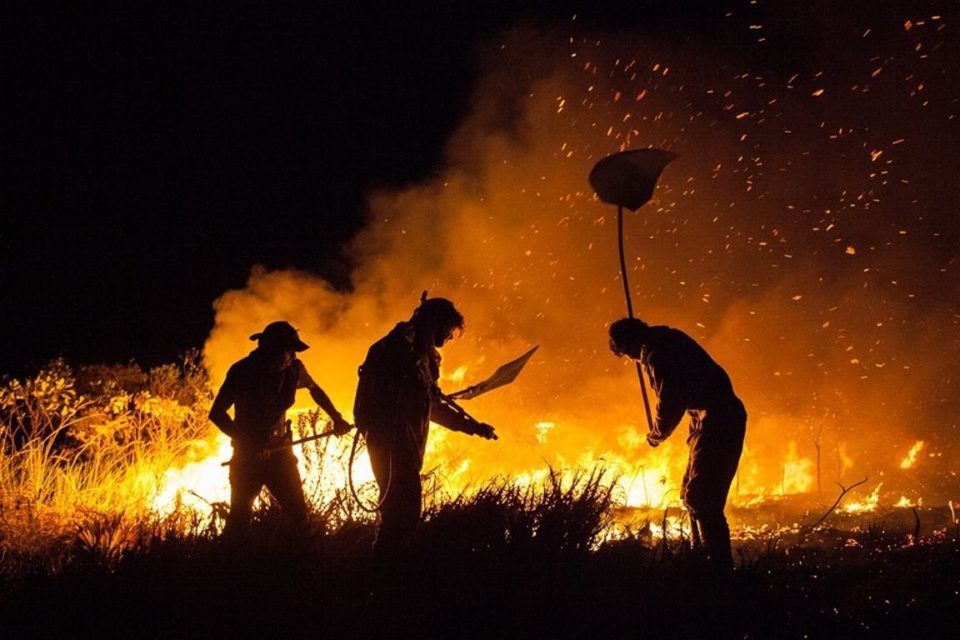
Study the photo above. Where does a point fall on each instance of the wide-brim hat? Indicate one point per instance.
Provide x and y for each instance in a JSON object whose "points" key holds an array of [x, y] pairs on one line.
{"points": [[280, 335]]}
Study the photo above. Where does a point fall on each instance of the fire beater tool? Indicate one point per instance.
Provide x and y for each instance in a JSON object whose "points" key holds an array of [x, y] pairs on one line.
{"points": [[627, 179], [283, 445], [504, 375]]}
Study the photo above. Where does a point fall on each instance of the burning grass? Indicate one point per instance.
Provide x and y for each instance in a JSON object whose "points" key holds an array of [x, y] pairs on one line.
{"points": [[82, 446], [502, 562], [103, 461], [108, 519]]}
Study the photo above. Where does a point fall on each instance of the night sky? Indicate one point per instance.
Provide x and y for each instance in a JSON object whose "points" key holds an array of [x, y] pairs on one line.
{"points": [[161, 152]]}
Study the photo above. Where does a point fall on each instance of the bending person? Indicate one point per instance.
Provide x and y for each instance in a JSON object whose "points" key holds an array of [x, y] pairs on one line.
{"points": [[687, 380]]}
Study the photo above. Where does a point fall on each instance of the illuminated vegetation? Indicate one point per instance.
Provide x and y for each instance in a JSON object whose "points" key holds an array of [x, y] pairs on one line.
{"points": [[91, 531]]}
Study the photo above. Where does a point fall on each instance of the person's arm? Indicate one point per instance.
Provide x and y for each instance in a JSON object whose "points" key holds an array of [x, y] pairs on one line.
{"points": [[218, 411], [340, 425], [671, 401], [451, 416]]}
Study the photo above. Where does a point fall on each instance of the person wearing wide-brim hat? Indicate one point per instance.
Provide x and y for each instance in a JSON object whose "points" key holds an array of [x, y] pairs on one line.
{"points": [[261, 387]]}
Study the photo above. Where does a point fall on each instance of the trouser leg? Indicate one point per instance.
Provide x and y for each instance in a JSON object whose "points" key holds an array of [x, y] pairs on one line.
{"points": [[284, 482], [245, 483], [401, 509], [716, 538], [714, 456], [400, 496], [694, 523]]}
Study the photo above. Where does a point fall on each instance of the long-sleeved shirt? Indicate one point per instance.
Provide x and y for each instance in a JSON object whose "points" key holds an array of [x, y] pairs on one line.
{"points": [[398, 396], [684, 377]]}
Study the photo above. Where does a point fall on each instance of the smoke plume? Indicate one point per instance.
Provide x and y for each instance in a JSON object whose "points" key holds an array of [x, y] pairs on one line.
{"points": [[803, 237]]}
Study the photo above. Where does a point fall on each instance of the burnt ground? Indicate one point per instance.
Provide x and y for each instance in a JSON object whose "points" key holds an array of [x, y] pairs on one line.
{"points": [[463, 582]]}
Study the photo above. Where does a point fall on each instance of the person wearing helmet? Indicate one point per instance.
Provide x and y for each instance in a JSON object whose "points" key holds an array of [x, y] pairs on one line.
{"points": [[687, 380], [261, 387], [397, 398]]}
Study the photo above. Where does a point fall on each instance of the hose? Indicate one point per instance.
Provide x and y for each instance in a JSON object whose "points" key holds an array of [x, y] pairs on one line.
{"points": [[353, 490]]}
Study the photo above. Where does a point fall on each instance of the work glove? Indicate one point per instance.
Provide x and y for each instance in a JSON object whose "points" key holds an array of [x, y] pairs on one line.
{"points": [[485, 431], [341, 426], [653, 441]]}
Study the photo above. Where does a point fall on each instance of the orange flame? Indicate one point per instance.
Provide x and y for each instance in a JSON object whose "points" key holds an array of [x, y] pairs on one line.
{"points": [[911, 459], [867, 505], [511, 231]]}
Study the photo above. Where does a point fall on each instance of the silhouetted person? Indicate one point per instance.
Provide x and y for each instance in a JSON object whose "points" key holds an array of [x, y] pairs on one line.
{"points": [[261, 388], [397, 397], [687, 380]]}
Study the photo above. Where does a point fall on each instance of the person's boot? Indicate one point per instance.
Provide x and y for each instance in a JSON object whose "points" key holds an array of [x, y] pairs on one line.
{"points": [[716, 542]]}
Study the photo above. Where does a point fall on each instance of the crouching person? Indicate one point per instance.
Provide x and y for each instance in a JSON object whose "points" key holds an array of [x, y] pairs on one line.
{"points": [[397, 398], [261, 387]]}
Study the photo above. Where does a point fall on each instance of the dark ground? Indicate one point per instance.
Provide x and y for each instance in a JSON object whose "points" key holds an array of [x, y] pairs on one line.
{"points": [[452, 588]]}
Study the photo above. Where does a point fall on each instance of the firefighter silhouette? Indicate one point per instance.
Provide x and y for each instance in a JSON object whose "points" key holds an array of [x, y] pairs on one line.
{"points": [[397, 398], [688, 381], [261, 387]]}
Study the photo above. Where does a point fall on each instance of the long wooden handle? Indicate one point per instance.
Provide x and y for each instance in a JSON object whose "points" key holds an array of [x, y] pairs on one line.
{"points": [[626, 294], [284, 445]]}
